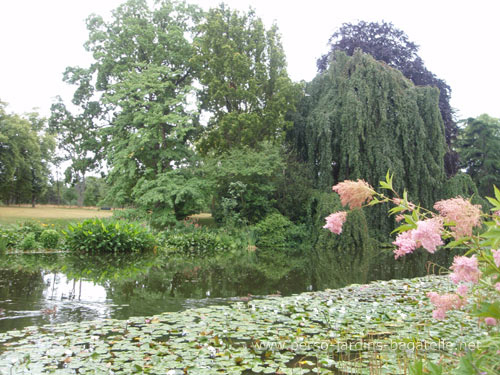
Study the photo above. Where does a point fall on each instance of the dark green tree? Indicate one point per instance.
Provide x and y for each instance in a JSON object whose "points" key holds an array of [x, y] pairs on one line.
{"points": [[363, 118], [479, 150], [246, 88], [245, 183], [387, 43]]}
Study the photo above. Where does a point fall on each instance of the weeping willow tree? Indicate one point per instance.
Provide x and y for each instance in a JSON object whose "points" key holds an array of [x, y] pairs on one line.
{"points": [[362, 118]]}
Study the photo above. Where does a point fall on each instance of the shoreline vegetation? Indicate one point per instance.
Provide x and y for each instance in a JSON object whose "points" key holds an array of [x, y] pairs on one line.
{"points": [[381, 327]]}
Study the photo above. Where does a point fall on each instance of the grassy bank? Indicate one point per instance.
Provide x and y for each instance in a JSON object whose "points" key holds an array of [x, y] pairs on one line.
{"points": [[48, 214]]}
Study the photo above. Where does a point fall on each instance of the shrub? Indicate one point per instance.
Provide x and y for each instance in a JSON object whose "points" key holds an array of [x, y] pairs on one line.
{"points": [[199, 243], [277, 232], [31, 227], [3, 243], [29, 242], [107, 236], [9, 237], [49, 238]]}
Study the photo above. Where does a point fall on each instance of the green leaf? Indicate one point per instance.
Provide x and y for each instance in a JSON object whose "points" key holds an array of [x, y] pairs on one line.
{"points": [[456, 243], [488, 310]]}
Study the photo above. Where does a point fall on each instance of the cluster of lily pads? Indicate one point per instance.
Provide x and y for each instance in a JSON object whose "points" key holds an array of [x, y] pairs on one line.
{"points": [[359, 329]]}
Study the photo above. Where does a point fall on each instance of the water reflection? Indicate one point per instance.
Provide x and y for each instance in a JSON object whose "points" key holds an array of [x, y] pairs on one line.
{"points": [[37, 289]]}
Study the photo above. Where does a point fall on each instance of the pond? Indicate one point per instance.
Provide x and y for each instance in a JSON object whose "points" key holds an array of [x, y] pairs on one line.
{"points": [[38, 289]]}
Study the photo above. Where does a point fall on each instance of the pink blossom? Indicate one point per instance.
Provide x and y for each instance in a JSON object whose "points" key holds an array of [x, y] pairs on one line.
{"points": [[335, 221], [439, 314], [462, 290], [496, 257], [465, 269], [354, 193], [428, 234], [405, 243], [461, 213], [399, 218], [445, 302], [490, 321], [497, 286]]}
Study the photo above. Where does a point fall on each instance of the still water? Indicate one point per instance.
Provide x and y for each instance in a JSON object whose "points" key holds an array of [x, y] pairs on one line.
{"points": [[38, 289]]}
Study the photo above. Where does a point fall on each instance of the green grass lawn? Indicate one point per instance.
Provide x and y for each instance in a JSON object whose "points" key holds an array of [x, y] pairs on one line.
{"points": [[48, 214]]}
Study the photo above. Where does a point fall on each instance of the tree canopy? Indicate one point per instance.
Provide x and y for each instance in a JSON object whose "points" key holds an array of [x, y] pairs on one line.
{"points": [[246, 88], [387, 43], [26, 149], [363, 118], [479, 150], [142, 77]]}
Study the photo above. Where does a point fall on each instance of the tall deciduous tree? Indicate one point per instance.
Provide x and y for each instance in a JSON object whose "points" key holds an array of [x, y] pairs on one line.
{"points": [[386, 43], [78, 136], [479, 150], [143, 75], [363, 118], [246, 88], [26, 149]]}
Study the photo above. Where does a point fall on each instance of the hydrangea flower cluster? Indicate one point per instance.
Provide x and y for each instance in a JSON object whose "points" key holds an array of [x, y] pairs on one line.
{"points": [[335, 221], [354, 193], [445, 302], [465, 269], [427, 235], [459, 215]]}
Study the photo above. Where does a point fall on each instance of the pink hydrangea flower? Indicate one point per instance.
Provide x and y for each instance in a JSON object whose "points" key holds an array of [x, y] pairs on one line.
{"points": [[465, 269], [462, 213], [428, 234], [439, 314], [445, 302], [496, 257], [490, 321], [335, 221], [497, 286], [354, 193], [399, 218], [462, 290], [405, 243]]}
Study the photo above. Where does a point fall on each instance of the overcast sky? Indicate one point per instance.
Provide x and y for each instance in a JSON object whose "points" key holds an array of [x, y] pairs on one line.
{"points": [[459, 42]]}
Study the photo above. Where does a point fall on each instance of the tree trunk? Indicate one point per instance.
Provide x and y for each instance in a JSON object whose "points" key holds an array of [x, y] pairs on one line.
{"points": [[80, 188]]}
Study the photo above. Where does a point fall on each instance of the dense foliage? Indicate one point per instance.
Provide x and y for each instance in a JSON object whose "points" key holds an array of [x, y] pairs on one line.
{"points": [[95, 236], [246, 89], [479, 150], [200, 243], [26, 149], [49, 238], [143, 77], [276, 233], [363, 118], [387, 43], [245, 183]]}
